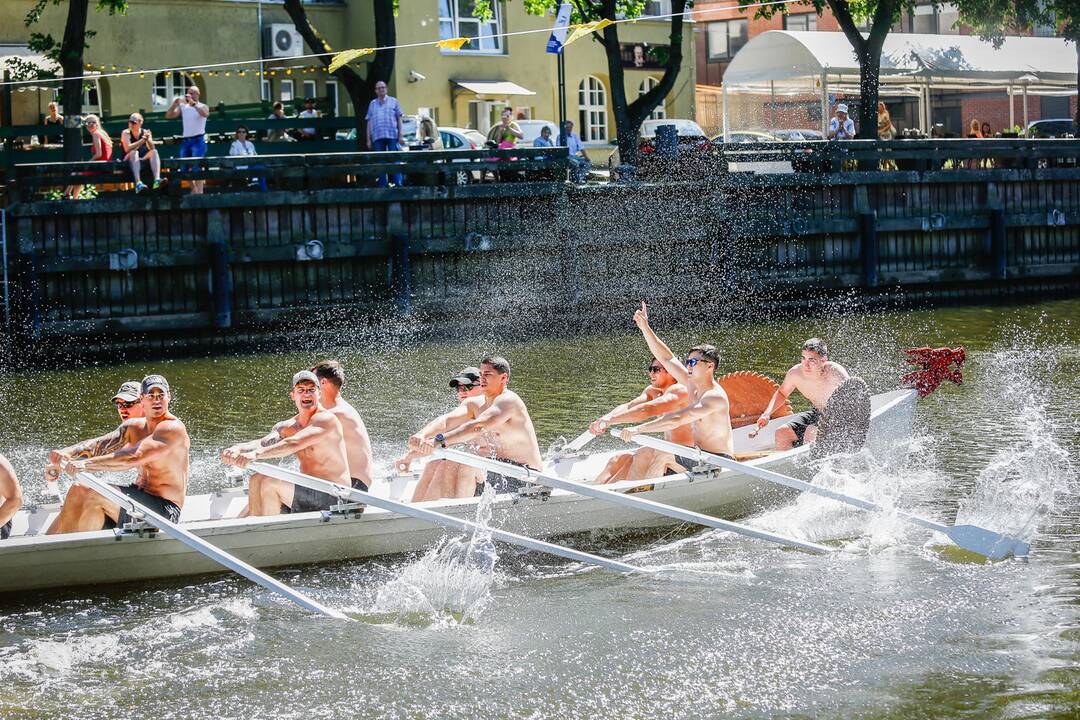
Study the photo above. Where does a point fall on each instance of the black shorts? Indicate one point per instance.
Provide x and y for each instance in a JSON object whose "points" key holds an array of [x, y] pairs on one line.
{"points": [[805, 420], [166, 508], [691, 463], [502, 483], [305, 499], [5, 530]]}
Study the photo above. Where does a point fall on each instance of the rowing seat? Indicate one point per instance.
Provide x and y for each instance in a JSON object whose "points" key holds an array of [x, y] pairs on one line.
{"points": [[749, 394]]}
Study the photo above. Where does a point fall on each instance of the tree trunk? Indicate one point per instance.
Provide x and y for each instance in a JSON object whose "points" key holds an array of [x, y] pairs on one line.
{"points": [[869, 83], [868, 52], [361, 90], [1076, 118], [71, 62]]}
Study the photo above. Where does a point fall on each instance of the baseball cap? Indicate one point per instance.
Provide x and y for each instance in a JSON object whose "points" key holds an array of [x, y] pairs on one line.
{"points": [[468, 376], [841, 108], [305, 375], [128, 392], [154, 381]]}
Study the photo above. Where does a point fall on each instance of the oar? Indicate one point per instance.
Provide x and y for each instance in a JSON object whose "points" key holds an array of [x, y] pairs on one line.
{"points": [[216, 554], [987, 543], [436, 518], [618, 498], [573, 446]]}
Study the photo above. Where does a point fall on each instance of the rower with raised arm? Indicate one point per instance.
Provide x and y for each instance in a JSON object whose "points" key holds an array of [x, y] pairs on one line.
{"points": [[661, 396], [444, 478], [707, 411], [11, 498], [156, 445], [816, 377], [357, 443], [499, 418], [314, 436]]}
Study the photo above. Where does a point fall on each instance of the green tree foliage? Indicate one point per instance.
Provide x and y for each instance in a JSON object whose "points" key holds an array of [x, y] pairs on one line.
{"points": [[68, 52], [994, 19], [628, 115], [850, 14], [360, 88]]}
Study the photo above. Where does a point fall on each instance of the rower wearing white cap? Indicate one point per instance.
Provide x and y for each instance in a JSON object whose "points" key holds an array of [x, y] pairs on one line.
{"points": [[841, 127], [127, 402], [314, 436], [156, 445]]}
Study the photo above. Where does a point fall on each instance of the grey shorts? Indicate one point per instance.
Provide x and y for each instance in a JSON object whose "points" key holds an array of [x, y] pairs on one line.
{"points": [[166, 508], [502, 483], [806, 419], [5, 530], [305, 499]]}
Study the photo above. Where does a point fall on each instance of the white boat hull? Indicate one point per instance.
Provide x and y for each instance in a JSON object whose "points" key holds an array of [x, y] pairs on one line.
{"points": [[29, 560]]}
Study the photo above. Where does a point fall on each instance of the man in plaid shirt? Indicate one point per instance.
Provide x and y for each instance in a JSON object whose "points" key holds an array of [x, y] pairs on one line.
{"points": [[384, 128]]}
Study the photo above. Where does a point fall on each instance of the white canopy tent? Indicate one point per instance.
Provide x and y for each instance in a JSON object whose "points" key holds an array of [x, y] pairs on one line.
{"points": [[781, 62]]}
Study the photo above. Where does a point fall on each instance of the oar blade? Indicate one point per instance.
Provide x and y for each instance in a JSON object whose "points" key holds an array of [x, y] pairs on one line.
{"points": [[989, 544]]}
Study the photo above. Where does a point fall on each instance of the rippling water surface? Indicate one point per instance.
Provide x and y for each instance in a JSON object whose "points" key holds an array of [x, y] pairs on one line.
{"points": [[892, 626]]}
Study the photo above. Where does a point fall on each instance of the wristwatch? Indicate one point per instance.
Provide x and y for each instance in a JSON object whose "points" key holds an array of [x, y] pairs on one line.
{"points": [[440, 440]]}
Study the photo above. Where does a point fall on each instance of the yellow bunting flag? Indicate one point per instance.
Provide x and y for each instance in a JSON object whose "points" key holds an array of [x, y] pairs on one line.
{"points": [[584, 29], [347, 56], [454, 44]]}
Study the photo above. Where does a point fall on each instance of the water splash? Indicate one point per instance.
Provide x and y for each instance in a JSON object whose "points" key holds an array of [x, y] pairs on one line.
{"points": [[451, 584]]}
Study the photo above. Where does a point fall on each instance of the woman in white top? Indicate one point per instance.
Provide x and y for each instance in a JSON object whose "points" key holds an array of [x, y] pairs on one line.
{"points": [[241, 147]]}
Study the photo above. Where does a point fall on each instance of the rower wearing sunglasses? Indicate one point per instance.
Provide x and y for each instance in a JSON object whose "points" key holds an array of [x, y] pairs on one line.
{"points": [[127, 402], [662, 395], [707, 412]]}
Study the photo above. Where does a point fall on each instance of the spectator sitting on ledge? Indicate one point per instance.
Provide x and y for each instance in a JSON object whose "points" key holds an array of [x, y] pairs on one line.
{"points": [[309, 111], [277, 135]]}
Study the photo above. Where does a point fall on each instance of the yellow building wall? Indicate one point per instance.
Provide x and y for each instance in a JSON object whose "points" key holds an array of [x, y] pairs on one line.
{"points": [[171, 33]]}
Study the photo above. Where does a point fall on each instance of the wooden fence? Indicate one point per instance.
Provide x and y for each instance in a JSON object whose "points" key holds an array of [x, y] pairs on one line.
{"points": [[126, 270]]}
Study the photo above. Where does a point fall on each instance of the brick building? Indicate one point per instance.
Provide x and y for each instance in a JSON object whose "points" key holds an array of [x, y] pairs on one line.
{"points": [[721, 31]]}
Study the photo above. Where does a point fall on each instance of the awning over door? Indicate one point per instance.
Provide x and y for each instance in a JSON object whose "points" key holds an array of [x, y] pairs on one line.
{"points": [[493, 88]]}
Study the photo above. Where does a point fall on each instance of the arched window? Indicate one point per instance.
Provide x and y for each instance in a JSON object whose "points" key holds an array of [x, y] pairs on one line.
{"points": [[592, 109], [168, 85], [648, 84]]}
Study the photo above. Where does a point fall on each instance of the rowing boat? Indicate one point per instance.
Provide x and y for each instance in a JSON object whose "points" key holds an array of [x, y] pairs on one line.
{"points": [[31, 560]]}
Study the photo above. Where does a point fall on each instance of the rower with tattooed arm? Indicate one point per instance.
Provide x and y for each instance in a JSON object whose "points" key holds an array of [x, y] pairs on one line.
{"points": [[315, 437], [156, 445]]}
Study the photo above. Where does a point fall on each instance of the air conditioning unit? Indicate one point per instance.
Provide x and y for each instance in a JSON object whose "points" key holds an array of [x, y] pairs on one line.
{"points": [[281, 40]]}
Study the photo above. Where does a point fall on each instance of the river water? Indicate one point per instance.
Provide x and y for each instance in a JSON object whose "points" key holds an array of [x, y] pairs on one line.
{"points": [[892, 626]]}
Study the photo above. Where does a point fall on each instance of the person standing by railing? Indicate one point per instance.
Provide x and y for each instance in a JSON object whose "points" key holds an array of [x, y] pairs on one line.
{"points": [[54, 118], [138, 145], [841, 127], [385, 130], [193, 115], [101, 149]]}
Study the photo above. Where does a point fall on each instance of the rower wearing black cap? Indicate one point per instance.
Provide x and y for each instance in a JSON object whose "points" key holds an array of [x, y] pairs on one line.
{"points": [[314, 436], [441, 478], [156, 445]]}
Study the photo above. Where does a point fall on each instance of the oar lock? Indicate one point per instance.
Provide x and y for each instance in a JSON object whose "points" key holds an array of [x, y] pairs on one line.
{"points": [[137, 528], [345, 509]]}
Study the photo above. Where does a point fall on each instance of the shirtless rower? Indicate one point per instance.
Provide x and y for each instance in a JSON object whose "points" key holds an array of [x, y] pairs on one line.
{"points": [[499, 418], [315, 436], [357, 443], [816, 377], [441, 477], [707, 411], [661, 396], [127, 402], [156, 445], [11, 498]]}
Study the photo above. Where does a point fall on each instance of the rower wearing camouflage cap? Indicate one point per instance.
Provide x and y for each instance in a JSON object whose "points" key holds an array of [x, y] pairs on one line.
{"points": [[314, 436], [156, 445], [127, 402]]}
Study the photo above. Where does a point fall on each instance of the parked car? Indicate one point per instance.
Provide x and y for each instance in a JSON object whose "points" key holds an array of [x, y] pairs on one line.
{"points": [[462, 139], [1058, 127], [531, 129], [746, 136], [797, 135], [691, 153]]}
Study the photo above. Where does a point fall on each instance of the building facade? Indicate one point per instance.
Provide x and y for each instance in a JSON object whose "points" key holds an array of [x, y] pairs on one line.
{"points": [[721, 31], [466, 88]]}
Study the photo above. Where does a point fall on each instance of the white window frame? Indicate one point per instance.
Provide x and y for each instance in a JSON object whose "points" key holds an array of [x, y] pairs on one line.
{"points": [[807, 17], [311, 90], [660, 111], [453, 26], [727, 25], [592, 109], [289, 96], [333, 95], [168, 82], [264, 89], [657, 7]]}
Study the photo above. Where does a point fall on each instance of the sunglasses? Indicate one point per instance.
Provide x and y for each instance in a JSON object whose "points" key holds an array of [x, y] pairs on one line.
{"points": [[126, 404], [655, 368], [691, 362]]}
